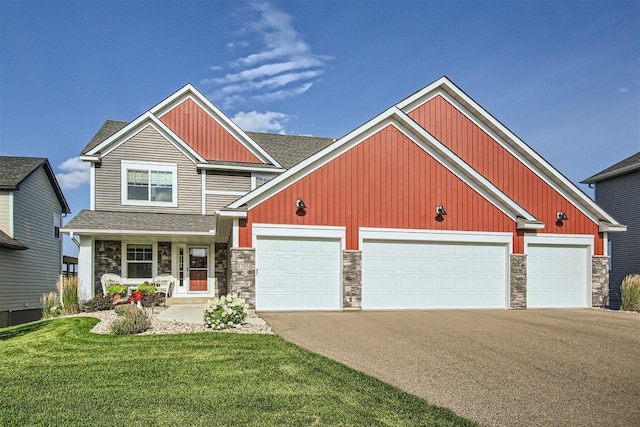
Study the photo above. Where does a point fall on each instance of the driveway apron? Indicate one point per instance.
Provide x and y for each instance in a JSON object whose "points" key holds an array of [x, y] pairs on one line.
{"points": [[496, 367]]}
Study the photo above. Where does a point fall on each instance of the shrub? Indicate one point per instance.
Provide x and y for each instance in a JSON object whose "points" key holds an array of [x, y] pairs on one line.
{"points": [[154, 299], [116, 289], [225, 312], [68, 289], [631, 293], [146, 288], [100, 302], [133, 321], [50, 306]]}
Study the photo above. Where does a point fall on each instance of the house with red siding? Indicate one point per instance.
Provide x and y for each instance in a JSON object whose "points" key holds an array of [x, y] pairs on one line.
{"points": [[431, 204]]}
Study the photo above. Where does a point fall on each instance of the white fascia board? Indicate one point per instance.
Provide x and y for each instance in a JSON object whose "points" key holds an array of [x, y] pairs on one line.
{"points": [[190, 92], [310, 164], [136, 127], [208, 166], [448, 90], [92, 159], [231, 214], [605, 227], [523, 224], [461, 169]]}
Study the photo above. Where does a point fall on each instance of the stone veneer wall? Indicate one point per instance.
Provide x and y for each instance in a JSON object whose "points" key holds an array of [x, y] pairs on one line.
{"points": [[518, 281], [599, 281], [352, 279], [221, 267], [107, 259], [242, 274], [164, 262]]}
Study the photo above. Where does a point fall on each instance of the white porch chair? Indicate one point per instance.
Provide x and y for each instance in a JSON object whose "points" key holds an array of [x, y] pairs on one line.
{"points": [[164, 283], [109, 279]]}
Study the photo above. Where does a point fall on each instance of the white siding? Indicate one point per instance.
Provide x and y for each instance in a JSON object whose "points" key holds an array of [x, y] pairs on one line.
{"points": [[5, 222], [147, 145], [26, 275]]}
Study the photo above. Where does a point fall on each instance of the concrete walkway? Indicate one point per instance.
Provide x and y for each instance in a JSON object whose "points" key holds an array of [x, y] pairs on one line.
{"points": [[499, 368], [192, 313]]}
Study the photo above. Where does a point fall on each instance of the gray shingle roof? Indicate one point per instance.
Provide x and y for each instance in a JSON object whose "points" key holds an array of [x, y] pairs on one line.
{"points": [[132, 222], [13, 170], [109, 128], [289, 150], [627, 165], [8, 242]]}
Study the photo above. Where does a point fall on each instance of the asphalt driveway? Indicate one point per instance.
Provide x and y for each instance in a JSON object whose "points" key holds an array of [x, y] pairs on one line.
{"points": [[501, 368]]}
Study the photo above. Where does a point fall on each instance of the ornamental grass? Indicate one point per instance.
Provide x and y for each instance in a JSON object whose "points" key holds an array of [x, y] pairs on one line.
{"points": [[68, 289], [631, 293]]}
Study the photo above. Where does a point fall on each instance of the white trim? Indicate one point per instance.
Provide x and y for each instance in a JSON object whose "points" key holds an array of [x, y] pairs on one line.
{"points": [[560, 239], [232, 214], [126, 165], [124, 261], [12, 228], [453, 236], [235, 233], [92, 159], [203, 193], [605, 238], [523, 224], [303, 231], [92, 187], [85, 267], [605, 227], [243, 168], [190, 92]]}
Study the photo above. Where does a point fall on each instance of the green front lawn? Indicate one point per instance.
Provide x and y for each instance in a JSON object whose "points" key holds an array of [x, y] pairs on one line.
{"points": [[58, 373]]}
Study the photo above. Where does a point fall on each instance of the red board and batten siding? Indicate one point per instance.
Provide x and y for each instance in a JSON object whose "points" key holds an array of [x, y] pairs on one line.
{"points": [[386, 181], [485, 155], [205, 135]]}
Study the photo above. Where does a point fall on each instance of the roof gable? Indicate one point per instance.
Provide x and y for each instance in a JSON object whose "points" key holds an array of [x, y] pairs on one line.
{"points": [[508, 140], [14, 170]]}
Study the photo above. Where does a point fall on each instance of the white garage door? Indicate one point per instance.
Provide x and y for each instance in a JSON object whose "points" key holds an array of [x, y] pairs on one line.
{"points": [[400, 274], [298, 273], [557, 276]]}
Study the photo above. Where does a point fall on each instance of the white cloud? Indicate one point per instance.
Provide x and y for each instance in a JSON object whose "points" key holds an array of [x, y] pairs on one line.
{"points": [[284, 60], [76, 173], [261, 122], [627, 88]]}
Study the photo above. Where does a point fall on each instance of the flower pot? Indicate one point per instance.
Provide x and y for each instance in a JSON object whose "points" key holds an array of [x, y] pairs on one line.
{"points": [[117, 296]]}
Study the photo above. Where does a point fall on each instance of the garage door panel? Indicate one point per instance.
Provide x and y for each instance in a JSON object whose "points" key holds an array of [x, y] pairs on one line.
{"points": [[557, 276], [400, 274], [297, 273]]}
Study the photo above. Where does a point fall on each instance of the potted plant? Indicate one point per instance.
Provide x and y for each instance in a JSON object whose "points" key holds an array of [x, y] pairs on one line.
{"points": [[146, 288], [116, 290]]}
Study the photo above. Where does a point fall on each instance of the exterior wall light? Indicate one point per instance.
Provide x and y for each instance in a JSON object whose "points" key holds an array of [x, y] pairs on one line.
{"points": [[440, 210], [562, 216], [300, 203]]}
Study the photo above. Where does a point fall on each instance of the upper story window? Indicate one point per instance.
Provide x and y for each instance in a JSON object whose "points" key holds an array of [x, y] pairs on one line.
{"points": [[258, 180], [149, 184]]}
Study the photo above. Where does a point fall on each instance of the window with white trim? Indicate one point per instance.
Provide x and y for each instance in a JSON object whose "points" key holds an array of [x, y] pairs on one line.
{"points": [[259, 180], [139, 261], [151, 184]]}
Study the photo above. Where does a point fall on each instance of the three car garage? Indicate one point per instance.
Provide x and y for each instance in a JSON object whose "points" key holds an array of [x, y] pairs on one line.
{"points": [[300, 268]]}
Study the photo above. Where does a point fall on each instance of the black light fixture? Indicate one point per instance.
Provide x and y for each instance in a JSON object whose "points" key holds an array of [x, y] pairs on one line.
{"points": [[300, 203], [440, 210], [562, 216]]}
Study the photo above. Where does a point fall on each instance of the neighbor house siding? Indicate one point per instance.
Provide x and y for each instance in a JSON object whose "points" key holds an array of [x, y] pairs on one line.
{"points": [[148, 145], [385, 181], [620, 196], [484, 154], [5, 211], [206, 135], [26, 275]]}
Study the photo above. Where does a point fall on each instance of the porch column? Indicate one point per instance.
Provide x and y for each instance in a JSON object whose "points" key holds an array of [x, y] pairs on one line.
{"points": [[85, 268]]}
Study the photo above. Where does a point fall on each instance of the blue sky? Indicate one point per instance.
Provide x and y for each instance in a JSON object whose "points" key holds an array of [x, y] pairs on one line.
{"points": [[564, 76]]}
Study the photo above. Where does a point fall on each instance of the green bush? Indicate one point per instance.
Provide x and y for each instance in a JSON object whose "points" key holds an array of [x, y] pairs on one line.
{"points": [[147, 288], [101, 302], [50, 306], [631, 293], [116, 289], [68, 289], [133, 321], [225, 312]]}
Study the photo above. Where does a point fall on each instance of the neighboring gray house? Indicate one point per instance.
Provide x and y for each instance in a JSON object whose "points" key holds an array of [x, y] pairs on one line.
{"points": [[31, 210], [618, 192]]}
